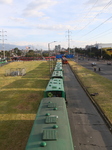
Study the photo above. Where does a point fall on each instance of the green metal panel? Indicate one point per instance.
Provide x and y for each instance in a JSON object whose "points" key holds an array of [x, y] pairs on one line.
{"points": [[49, 119], [48, 136], [52, 105]]}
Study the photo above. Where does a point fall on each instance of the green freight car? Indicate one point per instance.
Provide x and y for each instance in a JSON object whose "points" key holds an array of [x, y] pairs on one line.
{"points": [[55, 88], [59, 64], [51, 129], [58, 68], [57, 74]]}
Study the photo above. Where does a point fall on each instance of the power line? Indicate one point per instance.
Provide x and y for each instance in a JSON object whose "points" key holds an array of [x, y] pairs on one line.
{"points": [[102, 33], [91, 8], [88, 12], [97, 26], [108, 4]]}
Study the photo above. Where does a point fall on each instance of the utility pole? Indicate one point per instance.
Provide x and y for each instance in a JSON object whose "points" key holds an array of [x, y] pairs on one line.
{"points": [[3, 39], [74, 52], [68, 41], [90, 50], [49, 57], [101, 52]]}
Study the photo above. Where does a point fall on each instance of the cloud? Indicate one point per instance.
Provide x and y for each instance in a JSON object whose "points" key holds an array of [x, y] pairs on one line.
{"points": [[6, 1], [36, 8], [34, 13], [21, 20], [55, 27]]}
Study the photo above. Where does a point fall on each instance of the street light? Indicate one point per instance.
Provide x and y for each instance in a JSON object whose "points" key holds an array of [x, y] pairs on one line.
{"points": [[49, 55]]}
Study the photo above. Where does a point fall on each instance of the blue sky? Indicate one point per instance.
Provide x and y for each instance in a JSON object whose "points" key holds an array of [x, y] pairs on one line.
{"points": [[39, 22]]}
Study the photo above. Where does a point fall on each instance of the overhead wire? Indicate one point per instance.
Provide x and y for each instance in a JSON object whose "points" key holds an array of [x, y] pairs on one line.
{"points": [[98, 26], [88, 12], [108, 4], [99, 35], [100, 12]]}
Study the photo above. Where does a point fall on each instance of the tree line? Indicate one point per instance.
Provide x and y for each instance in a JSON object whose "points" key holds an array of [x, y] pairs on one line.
{"points": [[91, 52]]}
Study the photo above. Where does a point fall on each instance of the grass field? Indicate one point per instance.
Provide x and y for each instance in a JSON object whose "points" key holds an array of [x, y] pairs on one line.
{"points": [[19, 100], [95, 83]]}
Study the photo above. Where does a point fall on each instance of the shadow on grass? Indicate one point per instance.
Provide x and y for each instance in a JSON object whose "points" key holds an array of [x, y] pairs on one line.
{"points": [[42, 71], [14, 134], [19, 103], [37, 78], [27, 84]]}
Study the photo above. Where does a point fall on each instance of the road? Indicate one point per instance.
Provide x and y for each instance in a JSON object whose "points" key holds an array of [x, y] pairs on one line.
{"points": [[4, 64], [88, 129], [105, 70]]}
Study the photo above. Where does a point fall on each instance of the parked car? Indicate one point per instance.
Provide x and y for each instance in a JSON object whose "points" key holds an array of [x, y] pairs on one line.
{"points": [[108, 63], [93, 64]]}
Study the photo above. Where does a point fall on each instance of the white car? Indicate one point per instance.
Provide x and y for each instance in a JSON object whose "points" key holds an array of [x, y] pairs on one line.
{"points": [[93, 64], [108, 63]]}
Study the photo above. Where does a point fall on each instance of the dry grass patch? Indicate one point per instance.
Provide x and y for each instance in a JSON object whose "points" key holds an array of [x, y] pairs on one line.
{"points": [[95, 83]]}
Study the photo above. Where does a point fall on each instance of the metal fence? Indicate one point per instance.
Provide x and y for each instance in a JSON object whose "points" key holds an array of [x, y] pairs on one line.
{"points": [[15, 72]]}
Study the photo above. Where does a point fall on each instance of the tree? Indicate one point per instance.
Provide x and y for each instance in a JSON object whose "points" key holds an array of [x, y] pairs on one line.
{"points": [[7, 54], [45, 54], [1, 54], [31, 53], [17, 52]]}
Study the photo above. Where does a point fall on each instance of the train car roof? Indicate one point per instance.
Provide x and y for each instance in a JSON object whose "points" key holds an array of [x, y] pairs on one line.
{"points": [[59, 60], [51, 130], [57, 74], [55, 84], [58, 68], [58, 63]]}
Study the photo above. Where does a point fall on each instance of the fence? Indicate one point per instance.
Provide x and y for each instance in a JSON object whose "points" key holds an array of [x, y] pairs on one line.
{"points": [[15, 72]]}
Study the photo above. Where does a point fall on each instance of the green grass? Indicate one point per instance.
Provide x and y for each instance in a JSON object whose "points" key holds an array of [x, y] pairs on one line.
{"points": [[19, 100], [95, 83]]}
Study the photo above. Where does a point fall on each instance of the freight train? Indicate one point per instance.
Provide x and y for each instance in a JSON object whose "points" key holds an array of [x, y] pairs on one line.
{"points": [[51, 129]]}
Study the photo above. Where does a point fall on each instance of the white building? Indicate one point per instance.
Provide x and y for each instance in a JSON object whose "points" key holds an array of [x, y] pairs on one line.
{"points": [[102, 45], [57, 48]]}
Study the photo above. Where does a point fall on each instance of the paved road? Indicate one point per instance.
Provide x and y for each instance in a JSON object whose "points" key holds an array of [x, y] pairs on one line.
{"points": [[4, 64], [89, 131], [106, 70]]}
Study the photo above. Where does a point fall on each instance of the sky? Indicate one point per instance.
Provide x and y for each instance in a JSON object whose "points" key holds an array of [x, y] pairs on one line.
{"points": [[70, 23]]}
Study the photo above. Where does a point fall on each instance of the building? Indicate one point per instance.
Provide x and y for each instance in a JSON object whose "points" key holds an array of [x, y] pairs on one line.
{"points": [[107, 47], [57, 48], [102, 45]]}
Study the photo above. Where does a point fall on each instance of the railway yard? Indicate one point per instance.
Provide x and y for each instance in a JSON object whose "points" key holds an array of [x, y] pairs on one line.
{"points": [[89, 130]]}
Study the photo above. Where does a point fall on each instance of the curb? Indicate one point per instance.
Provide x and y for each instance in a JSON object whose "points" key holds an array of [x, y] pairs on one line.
{"points": [[108, 123]]}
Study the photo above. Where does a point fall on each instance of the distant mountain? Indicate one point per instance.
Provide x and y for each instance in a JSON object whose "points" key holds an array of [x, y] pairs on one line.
{"points": [[11, 46]]}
